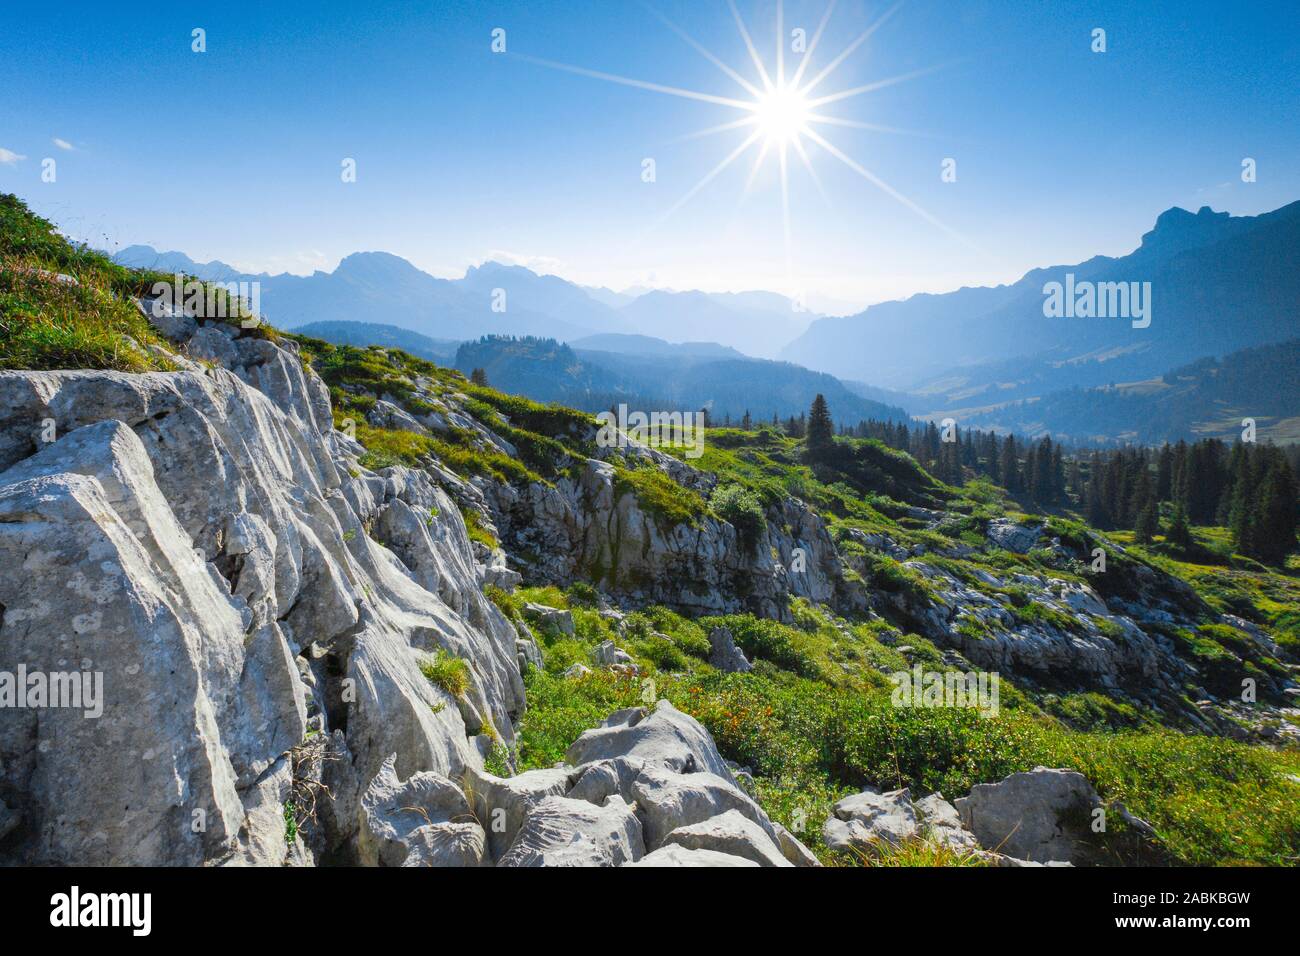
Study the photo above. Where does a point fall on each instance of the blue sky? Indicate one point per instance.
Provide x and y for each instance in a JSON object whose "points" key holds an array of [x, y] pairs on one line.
{"points": [[462, 154]]}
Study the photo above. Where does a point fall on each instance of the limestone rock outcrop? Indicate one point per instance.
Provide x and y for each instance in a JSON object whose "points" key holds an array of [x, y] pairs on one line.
{"points": [[588, 527], [205, 545], [645, 787], [1040, 816]]}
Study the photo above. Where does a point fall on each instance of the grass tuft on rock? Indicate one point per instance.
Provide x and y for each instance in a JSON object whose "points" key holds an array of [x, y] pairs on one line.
{"points": [[447, 671]]}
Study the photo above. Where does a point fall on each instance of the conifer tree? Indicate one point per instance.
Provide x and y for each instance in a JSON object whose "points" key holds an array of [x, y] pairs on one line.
{"points": [[1241, 510], [1275, 515], [1180, 534], [1058, 473], [1040, 476], [1009, 466], [1165, 473], [1147, 523], [821, 430], [1098, 516]]}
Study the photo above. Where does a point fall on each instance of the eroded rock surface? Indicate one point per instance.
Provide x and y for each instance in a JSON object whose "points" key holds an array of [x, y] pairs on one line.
{"points": [[205, 544]]}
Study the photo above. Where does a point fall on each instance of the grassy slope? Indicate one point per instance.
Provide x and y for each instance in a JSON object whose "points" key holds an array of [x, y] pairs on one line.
{"points": [[813, 719], [85, 321], [64, 306], [813, 732]]}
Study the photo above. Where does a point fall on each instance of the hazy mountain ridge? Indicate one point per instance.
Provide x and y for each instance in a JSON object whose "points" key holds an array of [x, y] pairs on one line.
{"points": [[685, 316], [382, 288], [648, 345], [1219, 283]]}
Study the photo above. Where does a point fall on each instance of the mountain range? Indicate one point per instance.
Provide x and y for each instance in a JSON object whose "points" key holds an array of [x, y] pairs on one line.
{"points": [[1218, 283], [990, 356], [1206, 398], [497, 299]]}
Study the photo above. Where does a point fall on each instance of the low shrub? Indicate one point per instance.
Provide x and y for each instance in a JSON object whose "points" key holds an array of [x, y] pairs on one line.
{"points": [[742, 510]]}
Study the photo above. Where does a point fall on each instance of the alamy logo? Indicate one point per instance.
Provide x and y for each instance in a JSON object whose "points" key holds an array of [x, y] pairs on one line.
{"points": [[1102, 300], [210, 300], [979, 690], [103, 909], [656, 430], [76, 690]]}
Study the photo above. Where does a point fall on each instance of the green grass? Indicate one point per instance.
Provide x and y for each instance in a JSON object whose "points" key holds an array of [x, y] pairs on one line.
{"points": [[466, 458], [914, 852], [813, 733], [475, 529], [290, 822], [48, 323], [659, 495], [573, 428], [743, 509], [1095, 711], [447, 671], [1213, 801], [90, 322], [385, 447]]}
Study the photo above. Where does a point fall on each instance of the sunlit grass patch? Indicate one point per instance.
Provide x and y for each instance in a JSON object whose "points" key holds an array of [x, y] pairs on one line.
{"points": [[52, 323], [659, 495], [447, 671], [476, 530]]}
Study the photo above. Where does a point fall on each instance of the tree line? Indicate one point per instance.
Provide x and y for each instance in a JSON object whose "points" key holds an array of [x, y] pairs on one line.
{"points": [[1247, 487]]}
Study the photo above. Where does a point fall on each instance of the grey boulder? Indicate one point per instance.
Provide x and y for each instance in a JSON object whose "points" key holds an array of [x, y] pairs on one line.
{"points": [[732, 833], [1041, 815], [870, 821], [725, 655], [559, 831], [673, 854]]}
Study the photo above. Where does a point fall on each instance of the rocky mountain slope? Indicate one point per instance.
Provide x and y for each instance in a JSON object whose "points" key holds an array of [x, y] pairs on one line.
{"points": [[207, 541], [347, 607]]}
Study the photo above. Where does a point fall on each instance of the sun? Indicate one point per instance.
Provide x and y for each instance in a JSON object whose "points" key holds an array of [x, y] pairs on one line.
{"points": [[781, 114], [781, 117]]}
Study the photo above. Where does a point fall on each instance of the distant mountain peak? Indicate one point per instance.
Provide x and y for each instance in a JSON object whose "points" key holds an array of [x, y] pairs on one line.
{"points": [[1179, 218], [690, 295], [374, 265], [489, 266], [1178, 229], [1222, 283], [147, 257]]}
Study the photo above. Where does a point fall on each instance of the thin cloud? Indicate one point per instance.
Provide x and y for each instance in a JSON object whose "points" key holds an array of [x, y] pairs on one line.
{"points": [[62, 143], [9, 157]]}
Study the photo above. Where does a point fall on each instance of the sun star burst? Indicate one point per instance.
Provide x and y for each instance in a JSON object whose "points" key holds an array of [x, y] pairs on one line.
{"points": [[779, 114]]}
